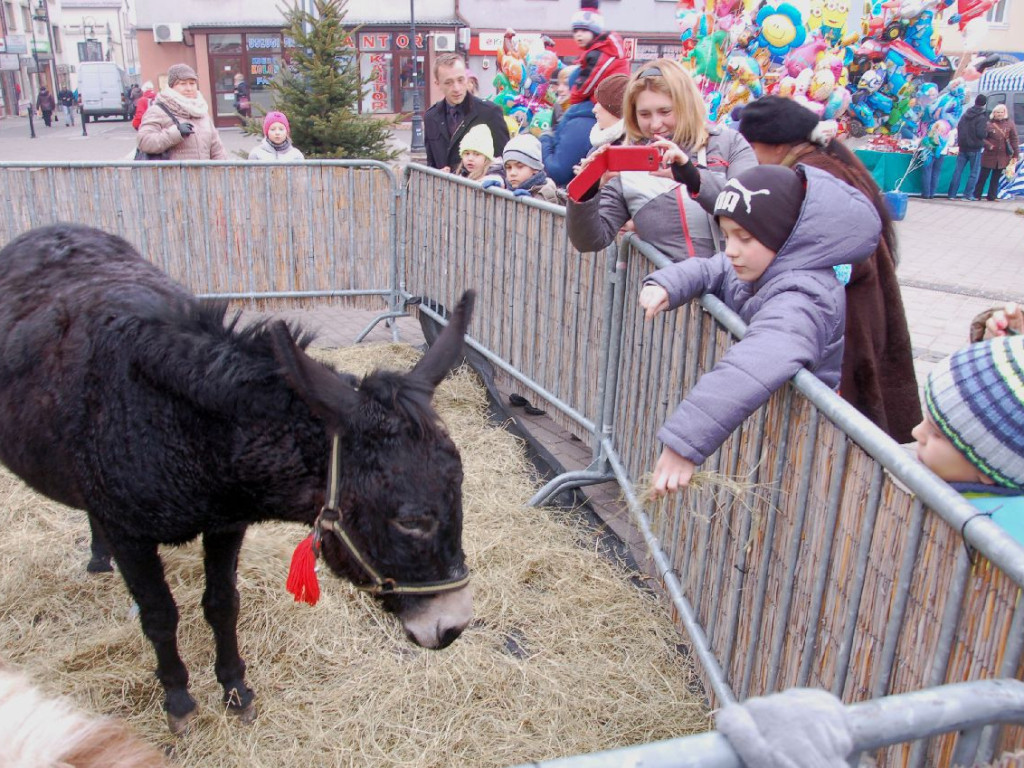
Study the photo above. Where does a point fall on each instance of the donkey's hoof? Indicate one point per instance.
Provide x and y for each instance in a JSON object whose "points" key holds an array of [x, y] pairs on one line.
{"points": [[246, 715], [99, 564], [179, 725]]}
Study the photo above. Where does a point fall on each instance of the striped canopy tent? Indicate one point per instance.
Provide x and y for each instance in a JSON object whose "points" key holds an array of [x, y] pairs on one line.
{"points": [[1009, 78]]}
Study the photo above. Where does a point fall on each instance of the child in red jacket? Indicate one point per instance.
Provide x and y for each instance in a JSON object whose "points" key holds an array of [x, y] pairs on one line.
{"points": [[603, 52]]}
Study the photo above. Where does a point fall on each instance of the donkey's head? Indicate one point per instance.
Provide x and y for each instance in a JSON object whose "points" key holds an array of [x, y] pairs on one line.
{"points": [[398, 528]]}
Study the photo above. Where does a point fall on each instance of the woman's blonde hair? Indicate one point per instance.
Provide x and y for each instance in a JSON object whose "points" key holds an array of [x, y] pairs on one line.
{"points": [[667, 77], [1002, 110]]}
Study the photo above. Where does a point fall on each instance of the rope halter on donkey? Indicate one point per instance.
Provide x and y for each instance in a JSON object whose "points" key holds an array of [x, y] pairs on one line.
{"points": [[302, 581]]}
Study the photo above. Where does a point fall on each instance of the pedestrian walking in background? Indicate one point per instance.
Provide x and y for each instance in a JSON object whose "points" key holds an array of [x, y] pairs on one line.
{"points": [[878, 376], [970, 139], [46, 105], [66, 98], [142, 103], [786, 230], [1001, 149], [243, 102], [670, 208], [17, 99], [277, 140], [178, 121]]}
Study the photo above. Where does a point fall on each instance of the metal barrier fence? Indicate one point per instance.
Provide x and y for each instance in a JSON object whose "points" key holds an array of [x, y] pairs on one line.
{"points": [[238, 230], [842, 564], [964, 707], [838, 562]]}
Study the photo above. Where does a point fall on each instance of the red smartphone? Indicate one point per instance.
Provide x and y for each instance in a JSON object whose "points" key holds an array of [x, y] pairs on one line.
{"points": [[633, 158]]}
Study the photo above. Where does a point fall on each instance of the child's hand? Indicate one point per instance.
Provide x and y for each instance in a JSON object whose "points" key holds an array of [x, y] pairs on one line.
{"points": [[654, 299], [671, 473], [1005, 322]]}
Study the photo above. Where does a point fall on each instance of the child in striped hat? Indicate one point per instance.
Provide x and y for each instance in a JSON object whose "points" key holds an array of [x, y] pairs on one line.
{"points": [[972, 435]]}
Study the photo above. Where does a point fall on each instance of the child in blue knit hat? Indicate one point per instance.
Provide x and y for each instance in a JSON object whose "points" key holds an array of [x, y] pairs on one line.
{"points": [[972, 435]]}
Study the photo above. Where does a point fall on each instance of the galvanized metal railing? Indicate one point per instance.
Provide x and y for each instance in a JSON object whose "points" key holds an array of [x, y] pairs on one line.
{"points": [[961, 707]]}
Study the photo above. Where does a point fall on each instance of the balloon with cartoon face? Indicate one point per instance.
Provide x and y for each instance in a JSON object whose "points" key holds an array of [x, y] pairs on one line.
{"points": [[541, 121], [782, 29]]}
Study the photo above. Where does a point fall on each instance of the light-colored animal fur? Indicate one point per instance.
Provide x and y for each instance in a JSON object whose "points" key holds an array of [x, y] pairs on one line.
{"points": [[37, 731]]}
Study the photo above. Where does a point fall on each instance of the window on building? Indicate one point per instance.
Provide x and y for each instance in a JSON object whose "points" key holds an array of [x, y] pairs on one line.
{"points": [[56, 39], [11, 18], [997, 13]]}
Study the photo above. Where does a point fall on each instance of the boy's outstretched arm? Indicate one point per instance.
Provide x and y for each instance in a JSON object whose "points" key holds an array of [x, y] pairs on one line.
{"points": [[671, 473], [689, 279]]}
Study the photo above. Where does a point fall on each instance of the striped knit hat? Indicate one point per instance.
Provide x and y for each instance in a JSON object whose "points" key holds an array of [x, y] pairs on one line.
{"points": [[976, 398]]}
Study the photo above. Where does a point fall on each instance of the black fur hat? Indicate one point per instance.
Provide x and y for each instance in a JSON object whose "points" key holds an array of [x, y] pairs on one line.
{"points": [[776, 120]]}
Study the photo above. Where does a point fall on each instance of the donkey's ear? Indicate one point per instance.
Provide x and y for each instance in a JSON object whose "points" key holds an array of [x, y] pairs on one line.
{"points": [[447, 348], [328, 394]]}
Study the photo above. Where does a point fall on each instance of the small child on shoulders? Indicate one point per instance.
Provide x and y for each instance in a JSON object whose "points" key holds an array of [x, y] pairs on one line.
{"points": [[972, 435], [785, 232], [524, 170]]}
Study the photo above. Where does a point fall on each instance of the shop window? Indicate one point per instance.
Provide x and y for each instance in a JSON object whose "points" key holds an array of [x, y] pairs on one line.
{"points": [[997, 13], [225, 43]]}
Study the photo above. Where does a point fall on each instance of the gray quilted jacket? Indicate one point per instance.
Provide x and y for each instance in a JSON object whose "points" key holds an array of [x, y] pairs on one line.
{"points": [[652, 202], [795, 314]]}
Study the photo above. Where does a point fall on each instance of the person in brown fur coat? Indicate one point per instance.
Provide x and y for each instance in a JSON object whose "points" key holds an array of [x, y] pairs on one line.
{"points": [[878, 367]]}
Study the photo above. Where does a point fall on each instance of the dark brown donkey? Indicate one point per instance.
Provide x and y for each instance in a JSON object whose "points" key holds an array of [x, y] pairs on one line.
{"points": [[123, 395]]}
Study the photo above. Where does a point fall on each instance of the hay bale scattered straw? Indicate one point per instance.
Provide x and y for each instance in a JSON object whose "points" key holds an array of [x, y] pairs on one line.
{"points": [[564, 655]]}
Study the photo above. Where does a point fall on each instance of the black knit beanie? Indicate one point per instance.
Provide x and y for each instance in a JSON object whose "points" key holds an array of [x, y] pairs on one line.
{"points": [[776, 120], [765, 201]]}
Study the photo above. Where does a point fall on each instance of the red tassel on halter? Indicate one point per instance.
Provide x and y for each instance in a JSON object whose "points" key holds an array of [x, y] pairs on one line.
{"points": [[302, 575]]}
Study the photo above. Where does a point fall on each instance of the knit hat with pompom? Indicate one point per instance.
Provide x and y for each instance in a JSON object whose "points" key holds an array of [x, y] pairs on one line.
{"points": [[588, 17]]}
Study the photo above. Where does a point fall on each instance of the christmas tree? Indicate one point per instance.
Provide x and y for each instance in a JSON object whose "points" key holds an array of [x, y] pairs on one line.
{"points": [[319, 89]]}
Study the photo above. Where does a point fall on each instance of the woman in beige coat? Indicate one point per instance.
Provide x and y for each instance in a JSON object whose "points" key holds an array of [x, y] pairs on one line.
{"points": [[194, 137]]}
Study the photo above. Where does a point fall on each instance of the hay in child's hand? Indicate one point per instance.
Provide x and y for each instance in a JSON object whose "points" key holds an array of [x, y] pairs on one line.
{"points": [[564, 656]]}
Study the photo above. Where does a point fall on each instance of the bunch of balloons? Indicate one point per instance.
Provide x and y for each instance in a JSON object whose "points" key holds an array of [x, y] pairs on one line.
{"points": [[866, 74], [524, 84]]}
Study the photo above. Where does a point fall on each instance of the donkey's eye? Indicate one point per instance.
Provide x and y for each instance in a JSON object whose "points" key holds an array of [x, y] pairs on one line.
{"points": [[420, 527]]}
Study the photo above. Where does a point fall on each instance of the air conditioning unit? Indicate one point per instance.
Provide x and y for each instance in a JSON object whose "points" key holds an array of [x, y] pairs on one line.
{"points": [[168, 33], [444, 41]]}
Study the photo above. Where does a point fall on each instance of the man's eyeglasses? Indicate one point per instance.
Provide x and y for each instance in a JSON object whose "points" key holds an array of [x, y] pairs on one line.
{"points": [[650, 72]]}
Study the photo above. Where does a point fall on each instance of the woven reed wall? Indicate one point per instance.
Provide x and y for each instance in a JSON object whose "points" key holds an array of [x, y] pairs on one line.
{"points": [[540, 302], [815, 511], [239, 228]]}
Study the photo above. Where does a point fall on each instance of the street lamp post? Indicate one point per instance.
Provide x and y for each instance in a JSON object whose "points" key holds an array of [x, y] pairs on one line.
{"points": [[418, 143], [42, 13]]}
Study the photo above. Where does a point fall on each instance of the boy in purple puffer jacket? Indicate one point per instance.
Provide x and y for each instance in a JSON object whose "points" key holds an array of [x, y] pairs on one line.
{"points": [[787, 231]]}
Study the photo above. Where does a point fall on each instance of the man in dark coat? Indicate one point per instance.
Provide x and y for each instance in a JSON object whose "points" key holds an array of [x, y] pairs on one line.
{"points": [[445, 123], [970, 138]]}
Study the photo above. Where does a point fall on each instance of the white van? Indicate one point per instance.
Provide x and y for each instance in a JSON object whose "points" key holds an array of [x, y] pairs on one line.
{"points": [[102, 87]]}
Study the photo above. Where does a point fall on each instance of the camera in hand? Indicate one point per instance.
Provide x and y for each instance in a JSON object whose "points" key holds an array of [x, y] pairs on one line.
{"points": [[618, 158]]}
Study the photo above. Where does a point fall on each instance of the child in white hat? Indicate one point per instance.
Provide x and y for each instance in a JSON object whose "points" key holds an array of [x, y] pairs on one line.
{"points": [[476, 151]]}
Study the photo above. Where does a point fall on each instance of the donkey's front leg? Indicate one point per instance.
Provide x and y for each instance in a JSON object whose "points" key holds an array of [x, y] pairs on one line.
{"points": [[220, 606], [143, 572]]}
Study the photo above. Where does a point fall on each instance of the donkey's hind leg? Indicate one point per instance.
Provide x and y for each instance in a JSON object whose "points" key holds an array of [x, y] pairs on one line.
{"points": [[99, 562]]}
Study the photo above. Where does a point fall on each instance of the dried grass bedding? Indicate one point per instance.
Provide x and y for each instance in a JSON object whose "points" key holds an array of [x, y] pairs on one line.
{"points": [[564, 655]]}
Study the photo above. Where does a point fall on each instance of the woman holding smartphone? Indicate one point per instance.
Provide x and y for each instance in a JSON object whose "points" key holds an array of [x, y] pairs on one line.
{"points": [[670, 208]]}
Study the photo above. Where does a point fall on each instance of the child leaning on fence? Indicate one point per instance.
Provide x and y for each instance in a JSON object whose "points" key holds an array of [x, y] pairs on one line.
{"points": [[786, 230], [972, 435], [524, 170]]}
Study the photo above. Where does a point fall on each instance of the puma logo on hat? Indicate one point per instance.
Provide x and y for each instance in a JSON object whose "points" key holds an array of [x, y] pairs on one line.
{"points": [[727, 198]]}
